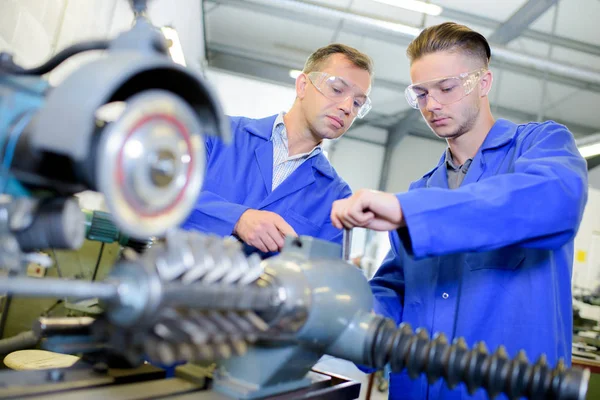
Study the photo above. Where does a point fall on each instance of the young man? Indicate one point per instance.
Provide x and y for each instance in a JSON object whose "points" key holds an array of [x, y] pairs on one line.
{"points": [[482, 245], [274, 179]]}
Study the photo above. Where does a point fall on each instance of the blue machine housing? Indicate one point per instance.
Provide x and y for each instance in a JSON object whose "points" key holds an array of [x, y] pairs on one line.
{"points": [[20, 99]]}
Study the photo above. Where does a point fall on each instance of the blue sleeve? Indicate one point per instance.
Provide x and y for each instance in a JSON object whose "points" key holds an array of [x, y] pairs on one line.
{"points": [[213, 213], [388, 288], [539, 205]]}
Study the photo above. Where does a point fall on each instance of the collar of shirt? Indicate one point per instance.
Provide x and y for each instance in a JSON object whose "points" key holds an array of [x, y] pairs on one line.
{"points": [[279, 135], [450, 163]]}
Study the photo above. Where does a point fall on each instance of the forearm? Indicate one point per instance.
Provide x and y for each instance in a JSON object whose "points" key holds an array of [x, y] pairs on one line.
{"points": [[485, 215]]}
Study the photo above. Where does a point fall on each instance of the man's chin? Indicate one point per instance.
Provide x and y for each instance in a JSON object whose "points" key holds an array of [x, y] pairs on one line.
{"points": [[438, 132], [443, 132], [332, 133]]}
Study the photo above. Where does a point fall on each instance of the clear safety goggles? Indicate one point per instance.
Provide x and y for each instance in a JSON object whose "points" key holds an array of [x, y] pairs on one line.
{"points": [[443, 90], [337, 89]]}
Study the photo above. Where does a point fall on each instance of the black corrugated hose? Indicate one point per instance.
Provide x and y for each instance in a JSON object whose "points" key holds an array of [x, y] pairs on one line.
{"points": [[456, 363]]}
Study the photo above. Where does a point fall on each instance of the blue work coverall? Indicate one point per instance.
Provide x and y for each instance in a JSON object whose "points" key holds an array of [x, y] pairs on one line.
{"points": [[239, 176], [491, 260]]}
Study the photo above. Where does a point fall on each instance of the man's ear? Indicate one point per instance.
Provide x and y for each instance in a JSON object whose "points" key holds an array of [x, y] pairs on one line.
{"points": [[485, 83], [301, 83]]}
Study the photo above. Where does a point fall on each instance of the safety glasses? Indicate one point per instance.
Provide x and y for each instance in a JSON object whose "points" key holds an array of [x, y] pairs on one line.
{"points": [[443, 90], [337, 89]]}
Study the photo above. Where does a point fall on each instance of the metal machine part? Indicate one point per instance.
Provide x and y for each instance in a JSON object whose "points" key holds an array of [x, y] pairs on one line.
{"points": [[53, 223], [326, 311], [190, 383], [346, 245], [29, 224], [136, 61], [332, 310], [48, 327], [193, 298], [148, 159], [153, 159], [24, 340], [198, 298], [200, 302], [32, 287]]}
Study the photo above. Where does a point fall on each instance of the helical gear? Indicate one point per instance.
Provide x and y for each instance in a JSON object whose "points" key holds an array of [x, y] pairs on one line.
{"points": [[226, 279]]}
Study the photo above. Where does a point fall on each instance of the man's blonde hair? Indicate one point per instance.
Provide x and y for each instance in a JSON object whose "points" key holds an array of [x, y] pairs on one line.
{"points": [[450, 36], [317, 59]]}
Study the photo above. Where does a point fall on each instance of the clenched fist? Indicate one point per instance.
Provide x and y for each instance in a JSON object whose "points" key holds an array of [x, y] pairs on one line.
{"points": [[368, 209], [264, 230]]}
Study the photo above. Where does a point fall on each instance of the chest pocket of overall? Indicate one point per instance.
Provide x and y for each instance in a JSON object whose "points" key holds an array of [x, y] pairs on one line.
{"points": [[507, 258], [302, 225]]}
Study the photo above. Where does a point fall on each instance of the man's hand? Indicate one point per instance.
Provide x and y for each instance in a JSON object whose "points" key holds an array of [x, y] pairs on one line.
{"points": [[368, 209], [264, 230]]}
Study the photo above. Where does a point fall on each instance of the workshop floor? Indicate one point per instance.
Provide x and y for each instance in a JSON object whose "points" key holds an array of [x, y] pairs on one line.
{"points": [[349, 370]]}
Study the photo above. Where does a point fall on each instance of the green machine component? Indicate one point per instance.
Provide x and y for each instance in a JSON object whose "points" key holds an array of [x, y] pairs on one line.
{"points": [[100, 227]]}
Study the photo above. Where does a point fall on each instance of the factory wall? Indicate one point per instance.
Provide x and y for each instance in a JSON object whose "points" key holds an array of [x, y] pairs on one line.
{"points": [[33, 30]]}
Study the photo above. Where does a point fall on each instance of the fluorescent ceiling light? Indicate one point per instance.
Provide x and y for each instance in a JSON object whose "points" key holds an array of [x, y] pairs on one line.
{"points": [[414, 5], [400, 28], [320, 11], [590, 150], [175, 49], [295, 73]]}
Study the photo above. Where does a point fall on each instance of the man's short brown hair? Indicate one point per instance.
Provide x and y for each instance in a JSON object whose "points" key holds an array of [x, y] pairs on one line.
{"points": [[317, 59], [450, 36]]}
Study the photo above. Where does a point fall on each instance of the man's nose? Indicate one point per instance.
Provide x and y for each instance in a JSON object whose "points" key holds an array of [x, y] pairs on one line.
{"points": [[346, 105], [432, 104]]}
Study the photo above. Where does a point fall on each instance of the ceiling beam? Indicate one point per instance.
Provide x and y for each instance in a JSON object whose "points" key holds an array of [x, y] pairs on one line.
{"points": [[276, 70], [520, 21], [593, 162], [225, 53], [540, 36], [449, 13], [383, 30]]}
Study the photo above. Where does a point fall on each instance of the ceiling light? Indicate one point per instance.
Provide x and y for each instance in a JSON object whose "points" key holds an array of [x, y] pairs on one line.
{"points": [[320, 11], [414, 5], [175, 49], [400, 28], [590, 150]]}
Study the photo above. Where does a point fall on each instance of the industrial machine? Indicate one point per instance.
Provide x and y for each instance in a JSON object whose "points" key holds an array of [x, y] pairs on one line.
{"points": [[130, 125]]}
